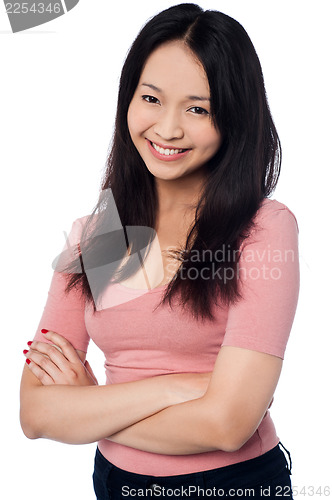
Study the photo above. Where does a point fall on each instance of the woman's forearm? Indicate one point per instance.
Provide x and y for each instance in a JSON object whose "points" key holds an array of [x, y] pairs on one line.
{"points": [[78, 415], [182, 429]]}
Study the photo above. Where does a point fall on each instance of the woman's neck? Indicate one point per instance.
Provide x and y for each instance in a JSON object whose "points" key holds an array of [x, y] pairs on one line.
{"points": [[179, 195]]}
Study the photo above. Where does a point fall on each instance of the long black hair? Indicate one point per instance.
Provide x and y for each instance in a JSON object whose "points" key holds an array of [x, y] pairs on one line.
{"points": [[243, 172]]}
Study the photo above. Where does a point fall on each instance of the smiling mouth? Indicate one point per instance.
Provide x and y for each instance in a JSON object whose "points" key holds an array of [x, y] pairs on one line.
{"points": [[167, 151]]}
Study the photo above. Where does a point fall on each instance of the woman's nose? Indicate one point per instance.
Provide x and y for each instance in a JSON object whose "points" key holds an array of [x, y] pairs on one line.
{"points": [[169, 126]]}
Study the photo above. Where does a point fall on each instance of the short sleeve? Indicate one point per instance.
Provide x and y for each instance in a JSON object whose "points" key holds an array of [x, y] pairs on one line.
{"points": [[65, 313], [269, 283]]}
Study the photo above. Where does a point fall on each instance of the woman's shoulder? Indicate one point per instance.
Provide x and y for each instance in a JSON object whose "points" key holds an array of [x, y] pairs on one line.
{"points": [[274, 223], [273, 213], [75, 234]]}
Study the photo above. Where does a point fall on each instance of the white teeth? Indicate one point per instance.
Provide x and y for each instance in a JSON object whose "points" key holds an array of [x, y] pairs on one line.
{"points": [[166, 152]]}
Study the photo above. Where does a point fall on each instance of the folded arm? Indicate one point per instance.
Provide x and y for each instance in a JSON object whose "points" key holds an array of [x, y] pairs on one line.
{"points": [[60, 401], [238, 396]]}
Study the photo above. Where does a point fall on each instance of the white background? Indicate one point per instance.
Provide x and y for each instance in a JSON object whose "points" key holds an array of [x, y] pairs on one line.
{"points": [[58, 95]]}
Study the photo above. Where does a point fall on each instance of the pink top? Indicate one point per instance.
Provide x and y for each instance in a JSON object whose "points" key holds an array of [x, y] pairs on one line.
{"points": [[139, 342]]}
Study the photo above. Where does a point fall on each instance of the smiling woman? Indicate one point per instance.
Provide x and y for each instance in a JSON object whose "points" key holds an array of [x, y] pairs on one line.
{"points": [[174, 136], [193, 350]]}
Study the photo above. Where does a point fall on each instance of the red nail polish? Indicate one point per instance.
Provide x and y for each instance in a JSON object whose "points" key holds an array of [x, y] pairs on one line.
{"points": [[43, 330], [29, 343], [28, 361], [25, 351]]}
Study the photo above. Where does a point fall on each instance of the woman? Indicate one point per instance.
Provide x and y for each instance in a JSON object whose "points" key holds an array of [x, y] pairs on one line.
{"points": [[185, 275]]}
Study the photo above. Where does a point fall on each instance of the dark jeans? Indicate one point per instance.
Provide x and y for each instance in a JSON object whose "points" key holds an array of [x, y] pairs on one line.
{"points": [[267, 476]]}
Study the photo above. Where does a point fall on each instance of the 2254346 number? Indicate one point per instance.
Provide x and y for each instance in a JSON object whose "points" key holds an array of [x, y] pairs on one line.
{"points": [[36, 8]]}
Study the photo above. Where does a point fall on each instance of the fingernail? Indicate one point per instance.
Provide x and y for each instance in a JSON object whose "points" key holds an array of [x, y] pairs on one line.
{"points": [[29, 343], [43, 330], [28, 361], [25, 351]]}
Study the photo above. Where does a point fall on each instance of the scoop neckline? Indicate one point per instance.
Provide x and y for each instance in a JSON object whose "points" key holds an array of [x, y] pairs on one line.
{"points": [[141, 291]]}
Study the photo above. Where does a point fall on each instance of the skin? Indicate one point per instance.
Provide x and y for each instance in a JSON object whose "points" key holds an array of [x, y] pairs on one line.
{"points": [[172, 414], [60, 398]]}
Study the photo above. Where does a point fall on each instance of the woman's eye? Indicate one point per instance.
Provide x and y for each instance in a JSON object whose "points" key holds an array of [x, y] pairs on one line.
{"points": [[198, 111], [150, 98]]}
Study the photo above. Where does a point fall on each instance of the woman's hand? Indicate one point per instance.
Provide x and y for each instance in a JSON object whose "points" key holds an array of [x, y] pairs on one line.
{"points": [[58, 363]]}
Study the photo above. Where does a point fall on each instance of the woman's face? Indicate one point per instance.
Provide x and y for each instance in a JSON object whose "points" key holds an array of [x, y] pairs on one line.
{"points": [[169, 116]]}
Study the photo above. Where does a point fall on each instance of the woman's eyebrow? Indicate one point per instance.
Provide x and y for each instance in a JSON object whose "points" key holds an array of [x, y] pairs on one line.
{"points": [[153, 87], [189, 97], [198, 98]]}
